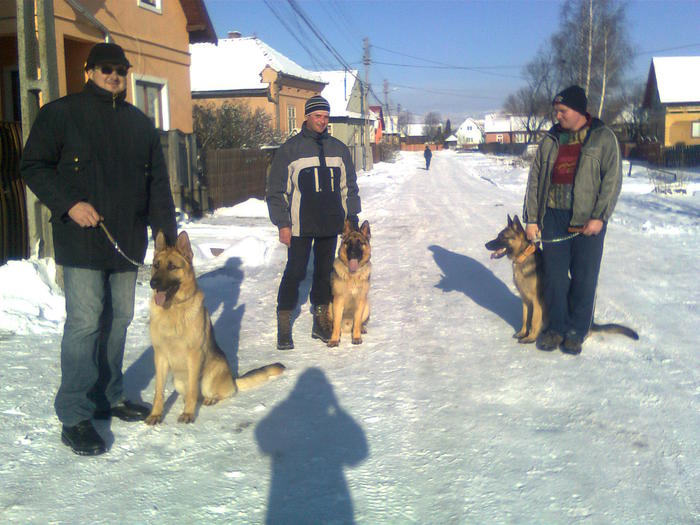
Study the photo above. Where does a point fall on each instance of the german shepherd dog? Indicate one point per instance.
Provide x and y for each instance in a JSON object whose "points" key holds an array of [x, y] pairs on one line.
{"points": [[528, 277], [349, 310], [183, 336]]}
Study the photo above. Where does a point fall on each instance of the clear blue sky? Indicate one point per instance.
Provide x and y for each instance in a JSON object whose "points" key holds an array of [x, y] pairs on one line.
{"points": [[486, 42]]}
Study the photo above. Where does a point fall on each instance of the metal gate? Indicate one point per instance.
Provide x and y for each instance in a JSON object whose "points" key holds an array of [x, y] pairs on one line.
{"points": [[13, 211]]}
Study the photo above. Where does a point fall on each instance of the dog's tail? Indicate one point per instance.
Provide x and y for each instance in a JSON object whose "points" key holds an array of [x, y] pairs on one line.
{"points": [[258, 376], [612, 328]]}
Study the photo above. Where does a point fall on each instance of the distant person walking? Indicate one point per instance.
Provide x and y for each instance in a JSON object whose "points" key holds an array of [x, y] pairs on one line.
{"points": [[573, 186], [311, 190], [428, 156]]}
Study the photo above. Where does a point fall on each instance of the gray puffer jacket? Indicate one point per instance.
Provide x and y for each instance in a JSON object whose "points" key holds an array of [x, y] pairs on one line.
{"points": [[597, 181]]}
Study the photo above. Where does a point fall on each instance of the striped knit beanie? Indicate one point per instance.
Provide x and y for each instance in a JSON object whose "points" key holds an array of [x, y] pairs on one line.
{"points": [[316, 103]]}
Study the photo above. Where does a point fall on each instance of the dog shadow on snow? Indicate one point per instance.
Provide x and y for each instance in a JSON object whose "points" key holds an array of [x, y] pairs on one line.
{"points": [[310, 439], [221, 289], [464, 274]]}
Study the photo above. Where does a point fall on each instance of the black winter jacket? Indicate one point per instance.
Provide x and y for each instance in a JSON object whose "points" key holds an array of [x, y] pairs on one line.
{"points": [[96, 147], [312, 185]]}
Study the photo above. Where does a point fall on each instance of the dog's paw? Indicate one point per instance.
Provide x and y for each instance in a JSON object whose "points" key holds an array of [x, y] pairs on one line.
{"points": [[333, 342], [526, 340], [357, 340], [185, 417], [153, 419], [363, 329], [519, 335], [210, 401]]}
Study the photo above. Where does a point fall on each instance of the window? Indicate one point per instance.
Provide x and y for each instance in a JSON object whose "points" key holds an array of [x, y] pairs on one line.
{"points": [[695, 130], [330, 129], [291, 118], [151, 97], [499, 139], [151, 5]]}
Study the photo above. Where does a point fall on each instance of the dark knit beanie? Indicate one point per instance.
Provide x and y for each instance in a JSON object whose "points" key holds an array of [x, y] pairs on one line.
{"points": [[573, 97], [316, 103], [103, 53]]}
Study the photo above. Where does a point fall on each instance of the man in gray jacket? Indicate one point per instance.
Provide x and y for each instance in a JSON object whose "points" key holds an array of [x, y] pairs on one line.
{"points": [[311, 190], [572, 189]]}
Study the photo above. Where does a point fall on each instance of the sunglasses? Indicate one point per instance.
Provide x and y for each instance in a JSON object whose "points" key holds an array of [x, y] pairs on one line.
{"points": [[107, 70]]}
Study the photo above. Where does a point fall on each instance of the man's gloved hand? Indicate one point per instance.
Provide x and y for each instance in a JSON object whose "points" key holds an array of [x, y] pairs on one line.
{"points": [[354, 222]]}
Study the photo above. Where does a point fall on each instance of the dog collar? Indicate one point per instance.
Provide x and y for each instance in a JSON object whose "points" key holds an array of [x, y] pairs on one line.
{"points": [[528, 251]]}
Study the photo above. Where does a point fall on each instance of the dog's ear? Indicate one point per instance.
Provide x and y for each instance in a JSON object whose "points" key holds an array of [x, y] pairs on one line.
{"points": [[347, 227], [183, 245], [516, 221], [510, 221], [364, 229], [160, 241]]}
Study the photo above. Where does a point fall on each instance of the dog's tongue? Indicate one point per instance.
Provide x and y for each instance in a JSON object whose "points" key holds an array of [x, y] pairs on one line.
{"points": [[353, 265], [159, 298]]}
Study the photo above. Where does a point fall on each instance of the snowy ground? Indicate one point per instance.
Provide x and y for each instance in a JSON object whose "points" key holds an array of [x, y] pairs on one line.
{"points": [[438, 417]]}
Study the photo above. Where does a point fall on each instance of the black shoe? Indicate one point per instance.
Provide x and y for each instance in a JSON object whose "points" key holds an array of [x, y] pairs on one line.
{"points": [[321, 328], [549, 340], [284, 330], [572, 342], [83, 439], [126, 411]]}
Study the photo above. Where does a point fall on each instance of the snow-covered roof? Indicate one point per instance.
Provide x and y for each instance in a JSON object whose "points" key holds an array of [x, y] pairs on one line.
{"points": [[415, 130], [677, 78], [498, 123], [451, 138], [339, 85], [236, 63]]}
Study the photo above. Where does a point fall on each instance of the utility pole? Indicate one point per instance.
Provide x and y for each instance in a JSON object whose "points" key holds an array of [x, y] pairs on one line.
{"points": [[365, 140], [38, 80]]}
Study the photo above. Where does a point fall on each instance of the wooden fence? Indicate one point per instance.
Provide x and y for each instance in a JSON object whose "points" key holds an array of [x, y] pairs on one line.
{"points": [[232, 176], [13, 211]]}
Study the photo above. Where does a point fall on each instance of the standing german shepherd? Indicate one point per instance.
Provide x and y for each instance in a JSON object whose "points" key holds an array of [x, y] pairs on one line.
{"points": [[528, 278], [183, 336], [349, 310]]}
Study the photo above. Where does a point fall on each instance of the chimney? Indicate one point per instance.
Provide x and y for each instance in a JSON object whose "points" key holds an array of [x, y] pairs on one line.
{"points": [[234, 34]]}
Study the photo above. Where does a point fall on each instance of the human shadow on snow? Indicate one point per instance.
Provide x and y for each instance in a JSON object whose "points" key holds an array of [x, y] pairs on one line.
{"points": [[221, 289], [473, 279], [310, 439]]}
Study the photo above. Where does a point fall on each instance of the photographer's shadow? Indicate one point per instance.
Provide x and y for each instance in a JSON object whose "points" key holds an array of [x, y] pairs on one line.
{"points": [[310, 439], [464, 274]]}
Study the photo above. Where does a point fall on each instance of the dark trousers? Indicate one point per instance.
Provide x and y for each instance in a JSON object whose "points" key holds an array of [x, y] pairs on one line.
{"points": [[295, 271], [570, 273], [427, 163]]}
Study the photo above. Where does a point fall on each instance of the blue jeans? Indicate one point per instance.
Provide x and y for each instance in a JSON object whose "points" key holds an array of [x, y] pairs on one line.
{"points": [[570, 273], [99, 308]]}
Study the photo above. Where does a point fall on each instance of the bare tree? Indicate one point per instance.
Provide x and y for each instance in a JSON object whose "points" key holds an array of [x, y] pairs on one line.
{"points": [[432, 126], [592, 48], [231, 126], [533, 102]]}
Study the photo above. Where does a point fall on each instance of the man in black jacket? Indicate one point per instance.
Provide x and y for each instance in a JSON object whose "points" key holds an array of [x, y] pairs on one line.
{"points": [[311, 189], [92, 157]]}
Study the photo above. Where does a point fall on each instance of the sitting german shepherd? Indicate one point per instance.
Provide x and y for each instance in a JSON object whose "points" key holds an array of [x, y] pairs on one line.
{"points": [[349, 310], [528, 277], [183, 336]]}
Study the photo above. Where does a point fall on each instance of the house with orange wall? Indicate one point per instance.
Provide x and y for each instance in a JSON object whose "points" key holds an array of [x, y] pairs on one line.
{"points": [[155, 35], [254, 74], [672, 100]]}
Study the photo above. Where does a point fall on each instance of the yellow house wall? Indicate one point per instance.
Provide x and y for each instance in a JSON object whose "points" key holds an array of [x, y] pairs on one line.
{"points": [[677, 128], [156, 44]]}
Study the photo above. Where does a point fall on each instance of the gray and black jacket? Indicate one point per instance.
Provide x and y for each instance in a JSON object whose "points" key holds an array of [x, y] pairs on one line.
{"points": [[597, 182], [312, 185]]}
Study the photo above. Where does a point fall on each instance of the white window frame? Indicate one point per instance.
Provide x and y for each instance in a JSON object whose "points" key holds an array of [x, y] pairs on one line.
{"points": [[329, 127], [695, 129], [164, 95], [291, 118], [157, 8]]}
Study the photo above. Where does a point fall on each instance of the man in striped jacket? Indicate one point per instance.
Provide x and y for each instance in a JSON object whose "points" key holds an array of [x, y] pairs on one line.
{"points": [[311, 190]]}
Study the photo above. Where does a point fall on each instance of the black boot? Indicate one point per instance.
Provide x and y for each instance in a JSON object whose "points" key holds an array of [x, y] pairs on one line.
{"points": [[126, 411], [321, 328], [284, 330], [83, 439]]}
